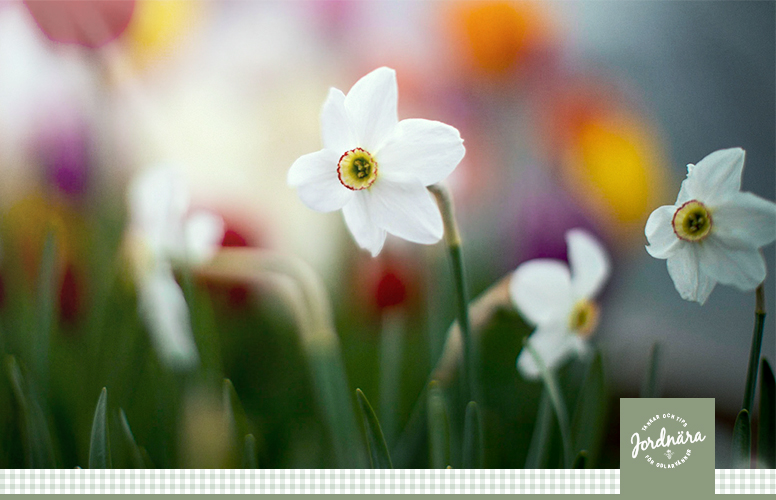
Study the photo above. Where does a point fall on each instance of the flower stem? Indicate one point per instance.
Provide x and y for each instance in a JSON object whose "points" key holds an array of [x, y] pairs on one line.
{"points": [[754, 353], [481, 311], [453, 241]]}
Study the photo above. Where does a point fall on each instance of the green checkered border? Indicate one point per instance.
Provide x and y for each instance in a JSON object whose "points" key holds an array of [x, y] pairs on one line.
{"points": [[758, 481], [456, 481]]}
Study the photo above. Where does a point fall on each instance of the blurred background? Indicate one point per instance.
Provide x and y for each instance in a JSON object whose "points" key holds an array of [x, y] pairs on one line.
{"points": [[574, 114]]}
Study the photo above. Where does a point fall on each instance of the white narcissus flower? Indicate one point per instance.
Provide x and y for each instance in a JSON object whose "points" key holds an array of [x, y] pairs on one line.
{"points": [[559, 301], [165, 233], [375, 167], [712, 234], [160, 214]]}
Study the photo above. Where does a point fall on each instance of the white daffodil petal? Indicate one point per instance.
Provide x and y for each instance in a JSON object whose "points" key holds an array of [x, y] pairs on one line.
{"points": [[690, 281], [745, 220], [590, 267], [579, 346], [660, 233], [166, 315], [372, 106], [541, 290], [364, 231], [204, 232], [315, 177], [551, 345], [158, 200], [425, 149], [406, 210], [717, 176], [336, 129], [743, 268], [685, 193]]}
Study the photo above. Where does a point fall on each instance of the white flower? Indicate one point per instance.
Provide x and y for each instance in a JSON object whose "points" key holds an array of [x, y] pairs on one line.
{"points": [[163, 308], [714, 231], [375, 167], [163, 234], [160, 215], [559, 301]]}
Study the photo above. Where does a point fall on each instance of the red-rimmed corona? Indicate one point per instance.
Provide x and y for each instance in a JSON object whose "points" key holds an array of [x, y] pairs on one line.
{"points": [[357, 169], [692, 221]]}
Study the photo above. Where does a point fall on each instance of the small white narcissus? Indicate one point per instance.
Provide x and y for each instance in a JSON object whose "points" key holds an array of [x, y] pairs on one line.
{"points": [[714, 231], [164, 233], [375, 167], [559, 301]]}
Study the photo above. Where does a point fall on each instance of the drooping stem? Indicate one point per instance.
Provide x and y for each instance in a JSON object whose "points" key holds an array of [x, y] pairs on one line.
{"points": [[453, 241], [309, 303], [754, 353]]}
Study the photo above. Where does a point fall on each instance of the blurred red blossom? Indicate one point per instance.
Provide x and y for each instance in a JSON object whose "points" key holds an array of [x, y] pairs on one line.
{"points": [[82, 22]]}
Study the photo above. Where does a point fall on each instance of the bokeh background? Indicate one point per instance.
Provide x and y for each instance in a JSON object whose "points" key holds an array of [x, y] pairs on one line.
{"points": [[574, 114]]}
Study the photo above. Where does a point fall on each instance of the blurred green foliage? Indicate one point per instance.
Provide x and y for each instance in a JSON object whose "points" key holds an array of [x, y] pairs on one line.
{"points": [[252, 400]]}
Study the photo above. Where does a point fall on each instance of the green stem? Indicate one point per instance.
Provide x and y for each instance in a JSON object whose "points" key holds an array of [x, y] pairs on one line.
{"points": [[754, 353], [453, 241], [649, 385], [557, 402]]}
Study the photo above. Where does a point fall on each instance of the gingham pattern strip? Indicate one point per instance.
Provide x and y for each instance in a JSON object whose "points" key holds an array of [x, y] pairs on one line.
{"points": [[456, 481], [747, 481], [188, 481]]}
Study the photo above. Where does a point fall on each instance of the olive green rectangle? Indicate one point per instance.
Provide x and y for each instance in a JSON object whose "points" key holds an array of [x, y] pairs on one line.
{"points": [[666, 447]]}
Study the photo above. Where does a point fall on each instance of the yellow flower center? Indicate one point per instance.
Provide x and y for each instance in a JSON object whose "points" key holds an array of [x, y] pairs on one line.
{"points": [[584, 318], [692, 222], [357, 169]]}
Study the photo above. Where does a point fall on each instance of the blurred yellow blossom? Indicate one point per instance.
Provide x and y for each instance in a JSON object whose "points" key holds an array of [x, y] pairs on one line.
{"points": [[613, 161], [157, 26]]}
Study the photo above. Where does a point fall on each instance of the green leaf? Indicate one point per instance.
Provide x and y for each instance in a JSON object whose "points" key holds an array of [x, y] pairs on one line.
{"points": [[331, 386], [391, 353], [235, 414], [438, 427], [588, 422], [473, 445], [203, 324], [44, 311], [649, 386], [742, 441], [99, 447], [378, 450], [36, 439], [539, 449], [249, 453], [136, 455], [581, 461], [766, 435], [556, 398], [236, 418]]}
